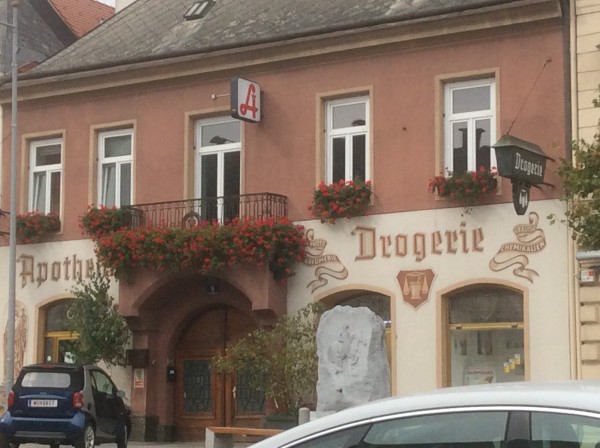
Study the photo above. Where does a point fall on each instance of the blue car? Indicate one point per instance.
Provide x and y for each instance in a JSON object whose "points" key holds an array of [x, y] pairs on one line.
{"points": [[64, 404]]}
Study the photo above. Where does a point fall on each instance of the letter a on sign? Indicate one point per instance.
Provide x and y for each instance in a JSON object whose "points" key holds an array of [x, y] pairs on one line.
{"points": [[245, 100]]}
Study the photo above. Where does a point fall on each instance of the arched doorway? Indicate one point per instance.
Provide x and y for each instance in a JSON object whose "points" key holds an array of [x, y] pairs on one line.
{"points": [[204, 397]]}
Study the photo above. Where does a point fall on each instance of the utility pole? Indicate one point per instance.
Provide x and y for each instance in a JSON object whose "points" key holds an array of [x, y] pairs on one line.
{"points": [[12, 255]]}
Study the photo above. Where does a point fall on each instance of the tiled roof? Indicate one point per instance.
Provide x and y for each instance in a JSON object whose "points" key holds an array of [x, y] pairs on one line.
{"points": [[82, 16], [156, 29]]}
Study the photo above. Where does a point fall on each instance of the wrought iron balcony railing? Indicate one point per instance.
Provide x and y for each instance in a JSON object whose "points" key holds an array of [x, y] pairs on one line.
{"points": [[190, 212]]}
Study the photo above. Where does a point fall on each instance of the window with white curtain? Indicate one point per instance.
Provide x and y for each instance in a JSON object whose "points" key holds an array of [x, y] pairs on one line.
{"points": [[115, 154], [45, 175]]}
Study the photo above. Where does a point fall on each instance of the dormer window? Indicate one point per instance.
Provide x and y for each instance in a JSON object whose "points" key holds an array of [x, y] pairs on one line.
{"points": [[199, 10]]}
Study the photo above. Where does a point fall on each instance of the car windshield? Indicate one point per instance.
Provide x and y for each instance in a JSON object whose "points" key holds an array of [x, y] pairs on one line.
{"points": [[59, 380]]}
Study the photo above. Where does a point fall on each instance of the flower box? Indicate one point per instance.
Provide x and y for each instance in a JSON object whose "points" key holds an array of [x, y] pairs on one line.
{"points": [[34, 227], [468, 188], [343, 199]]}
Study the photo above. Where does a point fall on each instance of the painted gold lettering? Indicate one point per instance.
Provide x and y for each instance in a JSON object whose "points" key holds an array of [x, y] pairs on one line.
{"points": [[89, 268], [477, 239], [67, 264], [366, 242], [42, 276], [401, 245], [26, 269], [419, 246], [463, 238], [451, 239], [55, 271], [386, 243], [436, 242]]}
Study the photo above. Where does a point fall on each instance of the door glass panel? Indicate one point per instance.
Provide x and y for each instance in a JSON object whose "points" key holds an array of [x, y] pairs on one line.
{"points": [[339, 159], [249, 401], [482, 143], [125, 184], [55, 192], [39, 191], [47, 155], [109, 184], [359, 152], [56, 316], [220, 133], [197, 386], [231, 186], [117, 146], [460, 146], [208, 192], [349, 115], [470, 99]]}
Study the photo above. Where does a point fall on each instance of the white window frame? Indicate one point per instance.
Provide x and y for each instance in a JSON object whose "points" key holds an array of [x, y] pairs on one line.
{"points": [[470, 118], [118, 161], [348, 133], [220, 151], [48, 169]]}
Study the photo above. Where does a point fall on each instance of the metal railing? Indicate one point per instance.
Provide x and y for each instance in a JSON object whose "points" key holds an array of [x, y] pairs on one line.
{"points": [[190, 212]]}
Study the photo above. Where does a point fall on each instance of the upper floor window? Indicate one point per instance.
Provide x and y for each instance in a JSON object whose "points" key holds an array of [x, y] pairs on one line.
{"points": [[470, 125], [218, 144], [45, 175], [348, 124], [115, 152]]}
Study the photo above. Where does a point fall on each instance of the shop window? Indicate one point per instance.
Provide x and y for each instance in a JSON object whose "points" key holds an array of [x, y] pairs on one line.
{"points": [[486, 336], [115, 155], [348, 154], [57, 336], [470, 125], [45, 175]]}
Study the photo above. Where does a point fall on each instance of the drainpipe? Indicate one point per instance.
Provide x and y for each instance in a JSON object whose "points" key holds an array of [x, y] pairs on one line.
{"points": [[574, 309]]}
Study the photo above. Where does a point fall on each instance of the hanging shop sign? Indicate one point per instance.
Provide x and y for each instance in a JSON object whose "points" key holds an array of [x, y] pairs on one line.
{"points": [[245, 100], [524, 163]]}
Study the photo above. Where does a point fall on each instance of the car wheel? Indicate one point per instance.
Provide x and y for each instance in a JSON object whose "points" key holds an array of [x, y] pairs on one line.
{"points": [[87, 439], [122, 437]]}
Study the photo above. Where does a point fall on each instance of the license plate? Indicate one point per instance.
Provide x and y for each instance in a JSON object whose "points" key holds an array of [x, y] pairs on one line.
{"points": [[43, 403]]}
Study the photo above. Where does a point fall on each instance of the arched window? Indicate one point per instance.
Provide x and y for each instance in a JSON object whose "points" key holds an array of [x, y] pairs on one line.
{"points": [[56, 333], [485, 336]]}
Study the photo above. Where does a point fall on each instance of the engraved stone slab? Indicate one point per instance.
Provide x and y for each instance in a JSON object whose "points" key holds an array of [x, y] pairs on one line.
{"points": [[353, 365]]}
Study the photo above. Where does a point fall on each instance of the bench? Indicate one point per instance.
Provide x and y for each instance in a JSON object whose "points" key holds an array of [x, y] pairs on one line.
{"points": [[222, 436]]}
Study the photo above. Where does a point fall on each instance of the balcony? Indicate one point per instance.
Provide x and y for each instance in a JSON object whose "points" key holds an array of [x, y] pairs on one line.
{"points": [[190, 212]]}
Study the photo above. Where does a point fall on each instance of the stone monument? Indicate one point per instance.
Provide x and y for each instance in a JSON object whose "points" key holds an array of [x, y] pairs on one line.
{"points": [[353, 365]]}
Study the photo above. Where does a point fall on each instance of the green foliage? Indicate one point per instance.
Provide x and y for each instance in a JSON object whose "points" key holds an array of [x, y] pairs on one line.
{"points": [[281, 361], [103, 333], [581, 182]]}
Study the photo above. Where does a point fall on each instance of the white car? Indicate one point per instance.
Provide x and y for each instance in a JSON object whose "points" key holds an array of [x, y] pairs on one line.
{"points": [[508, 415]]}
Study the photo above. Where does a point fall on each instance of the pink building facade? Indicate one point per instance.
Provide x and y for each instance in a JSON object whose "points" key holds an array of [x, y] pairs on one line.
{"points": [[468, 294]]}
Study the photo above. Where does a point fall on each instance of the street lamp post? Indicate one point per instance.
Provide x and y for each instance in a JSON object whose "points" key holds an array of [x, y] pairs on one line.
{"points": [[12, 255]]}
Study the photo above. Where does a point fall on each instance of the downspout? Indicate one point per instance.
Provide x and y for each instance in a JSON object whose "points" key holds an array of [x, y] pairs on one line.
{"points": [[574, 309]]}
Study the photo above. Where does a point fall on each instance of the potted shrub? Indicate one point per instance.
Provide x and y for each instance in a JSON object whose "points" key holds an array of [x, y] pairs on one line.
{"points": [[33, 227], [343, 199], [100, 221], [469, 187], [281, 362]]}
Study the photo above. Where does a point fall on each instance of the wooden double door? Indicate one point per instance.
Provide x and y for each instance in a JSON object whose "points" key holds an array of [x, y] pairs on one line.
{"points": [[204, 397]]}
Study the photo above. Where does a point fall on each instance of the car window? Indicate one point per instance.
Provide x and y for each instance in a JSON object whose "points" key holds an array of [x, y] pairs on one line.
{"points": [[551, 430], [452, 430], [345, 438], [59, 380], [103, 383]]}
